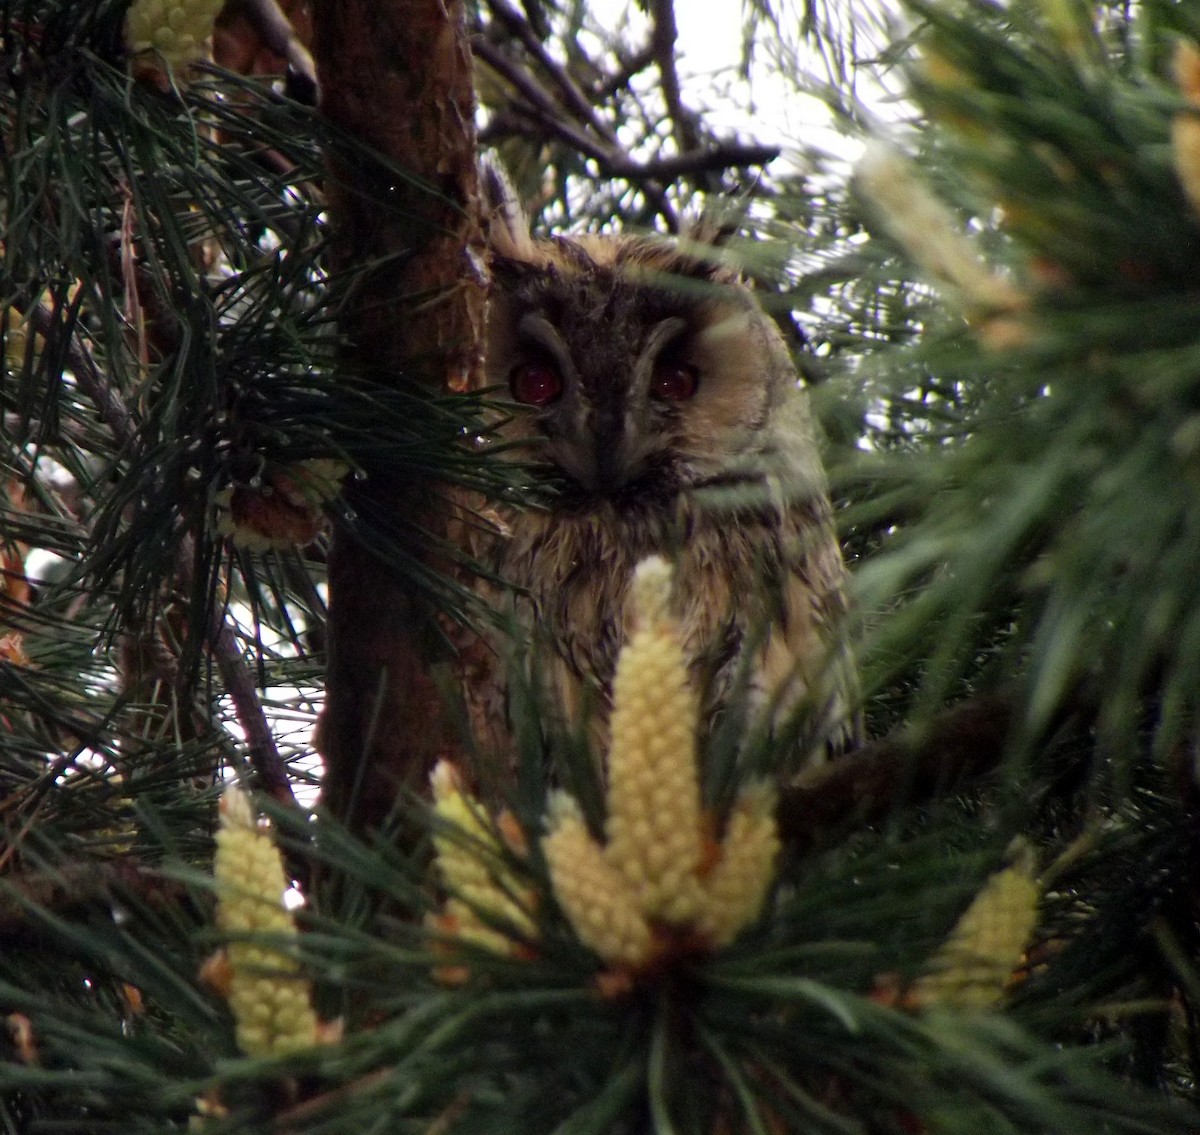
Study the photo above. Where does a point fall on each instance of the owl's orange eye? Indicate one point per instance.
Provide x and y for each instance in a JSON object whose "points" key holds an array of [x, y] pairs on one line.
{"points": [[675, 382], [535, 384]]}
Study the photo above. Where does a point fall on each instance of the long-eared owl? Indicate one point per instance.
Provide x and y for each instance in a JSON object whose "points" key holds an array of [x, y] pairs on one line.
{"points": [[658, 405]]}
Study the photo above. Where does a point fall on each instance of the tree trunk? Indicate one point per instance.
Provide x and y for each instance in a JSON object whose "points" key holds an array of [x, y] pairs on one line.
{"points": [[398, 75]]}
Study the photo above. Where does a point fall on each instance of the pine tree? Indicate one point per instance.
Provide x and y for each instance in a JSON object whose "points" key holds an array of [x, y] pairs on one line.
{"points": [[238, 348]]}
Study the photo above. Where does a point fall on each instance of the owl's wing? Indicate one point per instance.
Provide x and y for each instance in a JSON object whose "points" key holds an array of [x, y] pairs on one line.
{"points": [[806, 658]]}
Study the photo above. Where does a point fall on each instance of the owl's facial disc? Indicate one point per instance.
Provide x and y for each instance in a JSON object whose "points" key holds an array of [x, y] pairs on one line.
{"points": [[606, 416]]}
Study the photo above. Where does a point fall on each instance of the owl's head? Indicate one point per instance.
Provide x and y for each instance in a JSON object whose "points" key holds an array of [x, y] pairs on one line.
{"points": [[637, 366]]}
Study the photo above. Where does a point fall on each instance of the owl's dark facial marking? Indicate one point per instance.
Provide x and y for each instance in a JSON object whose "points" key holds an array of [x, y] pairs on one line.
{"points": [[604, 369]]}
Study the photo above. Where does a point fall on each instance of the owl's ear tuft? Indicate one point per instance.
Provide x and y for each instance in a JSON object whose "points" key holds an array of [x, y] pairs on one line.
{"points": [[713, 228], [700, 257], [504, 220], [705, 239]]}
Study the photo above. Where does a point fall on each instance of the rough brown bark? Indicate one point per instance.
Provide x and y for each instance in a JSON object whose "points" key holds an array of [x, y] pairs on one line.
{"points": [[398, 75]]}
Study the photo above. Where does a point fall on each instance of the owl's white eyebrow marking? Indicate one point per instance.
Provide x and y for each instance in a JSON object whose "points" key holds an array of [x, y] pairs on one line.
{"points": [[663, 334], [536, 330], [540, 330]]}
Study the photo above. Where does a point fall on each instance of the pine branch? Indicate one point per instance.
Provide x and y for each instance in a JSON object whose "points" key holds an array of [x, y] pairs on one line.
{"points": [[73, 886], [219, 634], [957, 747]]}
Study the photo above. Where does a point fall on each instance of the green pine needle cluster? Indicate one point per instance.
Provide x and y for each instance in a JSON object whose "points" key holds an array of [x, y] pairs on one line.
{"points": [[1019, 489], [1052, 527]]}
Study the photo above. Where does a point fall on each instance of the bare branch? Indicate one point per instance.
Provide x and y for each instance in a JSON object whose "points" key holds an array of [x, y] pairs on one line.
{"points": [[635, 64], [541, 105], [537, 113], [662, 42], [548, 117], [731, 155], [260, 741], [573, 97]]}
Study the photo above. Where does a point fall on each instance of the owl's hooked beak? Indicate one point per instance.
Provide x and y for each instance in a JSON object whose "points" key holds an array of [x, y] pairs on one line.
{"points": [[616, 466], [604, 453]]}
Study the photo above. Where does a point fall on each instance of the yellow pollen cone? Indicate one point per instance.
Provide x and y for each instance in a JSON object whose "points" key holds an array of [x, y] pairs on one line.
{"points": [[177, 29], [986, 946], [469, 857], [737, 886], [653, 826], [595, 898], [271, 1003], [628, 899]]}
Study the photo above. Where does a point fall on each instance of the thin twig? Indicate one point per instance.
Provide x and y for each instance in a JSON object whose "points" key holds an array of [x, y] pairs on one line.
{"points": [[541, 105], [549, 115], [729, 156], [524, 122], [573, 97], [260, 741], [511, 125], [219, 634], [635, 64], [546, 114]]}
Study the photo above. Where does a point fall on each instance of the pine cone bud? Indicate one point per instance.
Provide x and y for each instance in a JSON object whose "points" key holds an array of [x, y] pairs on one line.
{"points": [[737, 886], [285, 509], [271, 1003], [178, 30], [653, 825], [595, 898]]}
